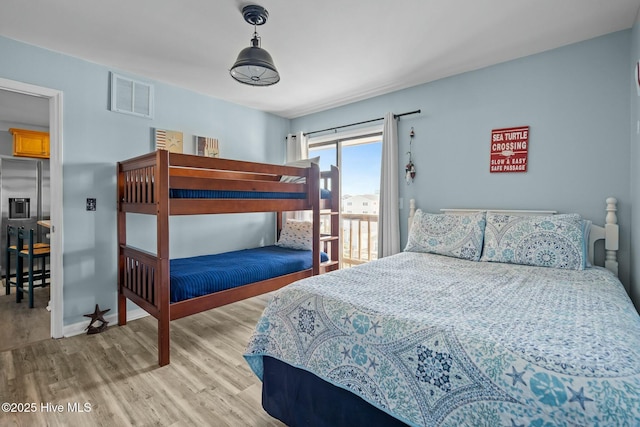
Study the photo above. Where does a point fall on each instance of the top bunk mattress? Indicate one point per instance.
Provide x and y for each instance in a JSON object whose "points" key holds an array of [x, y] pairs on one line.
{"points": [[202, 275], [177, 193]]}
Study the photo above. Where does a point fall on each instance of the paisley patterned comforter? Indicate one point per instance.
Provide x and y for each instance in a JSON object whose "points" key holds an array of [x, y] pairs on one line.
{"points": [[439, 341]]}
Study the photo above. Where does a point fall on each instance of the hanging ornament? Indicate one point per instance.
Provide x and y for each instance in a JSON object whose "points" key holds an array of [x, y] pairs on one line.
{"points": [[410, 168]]}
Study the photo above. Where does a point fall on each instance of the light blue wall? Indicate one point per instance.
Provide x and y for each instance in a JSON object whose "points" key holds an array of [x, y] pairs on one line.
{"points": [[635, 167], [96, 138], [575, 100]]}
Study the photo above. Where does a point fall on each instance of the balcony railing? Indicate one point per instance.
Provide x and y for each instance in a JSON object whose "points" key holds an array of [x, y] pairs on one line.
{"points": [[359, 239]]}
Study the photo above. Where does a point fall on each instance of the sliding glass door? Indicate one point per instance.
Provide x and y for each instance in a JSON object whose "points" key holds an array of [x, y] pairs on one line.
{"points": [[359, 160]]}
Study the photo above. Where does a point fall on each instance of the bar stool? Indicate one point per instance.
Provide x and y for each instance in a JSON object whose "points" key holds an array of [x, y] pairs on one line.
{"points": [[31, 251], [10, 250]]}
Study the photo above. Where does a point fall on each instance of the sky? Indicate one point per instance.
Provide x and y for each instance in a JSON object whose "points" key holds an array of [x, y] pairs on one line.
{"points": [[360, 171]]}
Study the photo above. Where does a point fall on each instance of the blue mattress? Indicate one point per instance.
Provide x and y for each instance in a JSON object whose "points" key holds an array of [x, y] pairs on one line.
{"points": [[203, 275], [176, 193]]}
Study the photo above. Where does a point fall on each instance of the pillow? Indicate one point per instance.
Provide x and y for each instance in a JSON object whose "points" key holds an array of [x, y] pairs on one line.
{"points": [[457, 236], [546, 241], [303, 163], [296, 235]]}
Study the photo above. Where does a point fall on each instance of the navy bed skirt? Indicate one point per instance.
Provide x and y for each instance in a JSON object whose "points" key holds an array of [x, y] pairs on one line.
{"points": [[300, 399]]}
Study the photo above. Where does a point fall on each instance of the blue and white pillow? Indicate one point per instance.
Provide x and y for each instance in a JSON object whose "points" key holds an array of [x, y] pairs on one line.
{"points": [[457, 236], [296, 235], [546, 241]]}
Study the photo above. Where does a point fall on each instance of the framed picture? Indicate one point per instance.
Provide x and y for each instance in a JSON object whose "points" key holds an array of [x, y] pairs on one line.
{"points": [[170, 140], [207, 147]]}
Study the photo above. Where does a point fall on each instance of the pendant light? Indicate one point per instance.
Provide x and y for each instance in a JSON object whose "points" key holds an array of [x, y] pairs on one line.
{"points": [[254, 65]]}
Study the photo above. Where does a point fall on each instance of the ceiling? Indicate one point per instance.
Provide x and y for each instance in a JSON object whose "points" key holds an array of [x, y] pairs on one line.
{"points": [[329, 53]]}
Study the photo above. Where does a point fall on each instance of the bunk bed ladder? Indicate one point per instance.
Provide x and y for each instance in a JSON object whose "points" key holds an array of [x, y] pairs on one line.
{"points": [[332, 242]]}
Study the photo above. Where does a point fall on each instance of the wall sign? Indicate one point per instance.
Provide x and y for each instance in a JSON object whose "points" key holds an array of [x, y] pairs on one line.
{"points": [[509, 149]]}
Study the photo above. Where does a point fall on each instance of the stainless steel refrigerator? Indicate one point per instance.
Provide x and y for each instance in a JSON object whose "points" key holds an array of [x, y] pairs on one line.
{"points": [[24, 198]]}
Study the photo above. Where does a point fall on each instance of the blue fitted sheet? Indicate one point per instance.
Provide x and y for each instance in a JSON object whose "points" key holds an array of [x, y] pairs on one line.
{"points": [[196, 276], [177, 193]]}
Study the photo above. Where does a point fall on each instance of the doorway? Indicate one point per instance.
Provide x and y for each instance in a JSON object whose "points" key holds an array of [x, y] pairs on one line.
{"points": [[358, 156], [54, 100]]}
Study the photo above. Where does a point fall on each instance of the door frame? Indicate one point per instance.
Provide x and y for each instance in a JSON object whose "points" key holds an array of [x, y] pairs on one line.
{"points": [[55, 165]]}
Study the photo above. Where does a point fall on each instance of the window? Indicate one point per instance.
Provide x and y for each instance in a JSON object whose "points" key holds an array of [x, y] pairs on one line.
{"points": [[358, 154]]}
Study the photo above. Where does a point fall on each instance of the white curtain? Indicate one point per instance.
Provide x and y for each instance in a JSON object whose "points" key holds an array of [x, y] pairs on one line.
{"points": [[297, 147], [389, 218]]}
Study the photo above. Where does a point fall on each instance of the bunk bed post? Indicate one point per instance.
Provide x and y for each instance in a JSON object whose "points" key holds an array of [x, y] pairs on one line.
{"points": [[314, 194], [162, 272], [279, 221], [122, 241]]}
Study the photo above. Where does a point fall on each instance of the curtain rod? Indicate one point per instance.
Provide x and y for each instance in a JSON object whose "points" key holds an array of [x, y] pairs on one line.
{"points": [[395, 116]]}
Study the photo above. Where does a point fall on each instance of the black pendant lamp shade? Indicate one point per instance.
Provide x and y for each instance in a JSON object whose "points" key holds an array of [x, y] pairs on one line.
{"points": [[254, 65]]}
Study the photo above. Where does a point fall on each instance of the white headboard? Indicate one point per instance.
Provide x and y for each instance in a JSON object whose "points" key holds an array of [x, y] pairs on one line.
{"points": [[609, 232]]}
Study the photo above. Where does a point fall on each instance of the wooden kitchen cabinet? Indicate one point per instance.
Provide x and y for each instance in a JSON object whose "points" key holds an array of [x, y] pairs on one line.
{"points": [[30, 143]]}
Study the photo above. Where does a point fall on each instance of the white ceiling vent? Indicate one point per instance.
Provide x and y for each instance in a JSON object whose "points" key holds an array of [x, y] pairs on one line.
{"points": [[131, 96]]}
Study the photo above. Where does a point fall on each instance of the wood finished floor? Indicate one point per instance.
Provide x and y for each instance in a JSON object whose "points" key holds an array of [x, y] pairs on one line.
{"points": [[208, 383], [21, 325]]}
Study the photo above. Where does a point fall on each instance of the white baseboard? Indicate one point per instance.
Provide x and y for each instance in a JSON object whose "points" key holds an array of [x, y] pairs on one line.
{"points": [[81, 327]]}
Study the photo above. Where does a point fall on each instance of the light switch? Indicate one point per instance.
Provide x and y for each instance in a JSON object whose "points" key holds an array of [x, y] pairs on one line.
{"points": [[91, 204]]}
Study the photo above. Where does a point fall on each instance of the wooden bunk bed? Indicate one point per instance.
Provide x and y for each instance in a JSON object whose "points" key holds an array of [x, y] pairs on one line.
{"points": [[162, 183]]}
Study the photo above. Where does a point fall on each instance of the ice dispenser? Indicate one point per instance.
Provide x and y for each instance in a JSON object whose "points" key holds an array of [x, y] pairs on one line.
{"points": [[19, 208]]}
